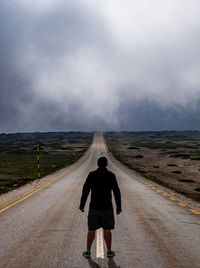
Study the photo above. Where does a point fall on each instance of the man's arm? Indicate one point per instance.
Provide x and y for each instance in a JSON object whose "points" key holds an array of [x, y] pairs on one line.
{"points": [[117, 194], [85, 192]]}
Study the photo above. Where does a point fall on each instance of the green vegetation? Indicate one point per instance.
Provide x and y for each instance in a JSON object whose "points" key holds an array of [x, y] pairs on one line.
{"points": [[18, 155], [195, 155]]}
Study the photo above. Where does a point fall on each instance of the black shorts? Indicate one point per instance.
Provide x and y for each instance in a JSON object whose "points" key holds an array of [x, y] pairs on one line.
{"points": [[101, 218]]}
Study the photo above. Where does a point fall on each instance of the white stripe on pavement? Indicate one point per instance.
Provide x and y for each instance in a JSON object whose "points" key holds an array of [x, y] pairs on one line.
{"points": [[100, 246]]}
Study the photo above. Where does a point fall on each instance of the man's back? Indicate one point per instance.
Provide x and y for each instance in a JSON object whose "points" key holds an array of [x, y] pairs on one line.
{"points": [[101, 182]]}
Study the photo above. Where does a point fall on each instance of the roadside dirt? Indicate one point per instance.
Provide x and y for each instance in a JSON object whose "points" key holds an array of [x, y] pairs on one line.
{"points": [[170, 161]]}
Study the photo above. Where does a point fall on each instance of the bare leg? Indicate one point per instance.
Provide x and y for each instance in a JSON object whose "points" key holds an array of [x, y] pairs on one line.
{"points": [[108, 238], [90, 239]]}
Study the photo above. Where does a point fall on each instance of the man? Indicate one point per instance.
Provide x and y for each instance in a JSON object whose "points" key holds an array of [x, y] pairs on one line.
{"points": [[101, 183]]}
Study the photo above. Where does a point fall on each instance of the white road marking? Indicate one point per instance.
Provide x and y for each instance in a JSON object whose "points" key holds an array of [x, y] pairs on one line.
{"points": [[100, 246]]}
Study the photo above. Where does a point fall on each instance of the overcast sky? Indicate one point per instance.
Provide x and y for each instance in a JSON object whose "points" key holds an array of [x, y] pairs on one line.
{"points": [[99, 65]]}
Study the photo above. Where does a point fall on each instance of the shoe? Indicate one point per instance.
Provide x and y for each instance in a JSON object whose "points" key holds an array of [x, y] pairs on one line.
{"points": [[110, 253], [87, 254]]}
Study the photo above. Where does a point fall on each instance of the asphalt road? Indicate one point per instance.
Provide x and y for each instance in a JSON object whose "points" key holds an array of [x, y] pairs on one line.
{"points": [[44, 227]]}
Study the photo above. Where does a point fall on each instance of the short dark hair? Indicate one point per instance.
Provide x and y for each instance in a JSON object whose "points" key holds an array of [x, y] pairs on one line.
{"points": [[102, 162]]}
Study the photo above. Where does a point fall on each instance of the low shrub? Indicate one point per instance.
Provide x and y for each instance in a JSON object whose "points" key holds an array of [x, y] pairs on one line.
{"points": [[181, 155], [185, 180], [140, 170], [138, 156], [177, 172]]}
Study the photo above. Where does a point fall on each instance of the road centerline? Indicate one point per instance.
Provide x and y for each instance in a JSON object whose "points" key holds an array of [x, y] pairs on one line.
{"points": [[99, 244]]}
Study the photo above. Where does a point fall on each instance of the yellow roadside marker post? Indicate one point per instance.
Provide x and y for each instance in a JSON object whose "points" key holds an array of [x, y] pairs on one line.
{"points": [[38, 161]]}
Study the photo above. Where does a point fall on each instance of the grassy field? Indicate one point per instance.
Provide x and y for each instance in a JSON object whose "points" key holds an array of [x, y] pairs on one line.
{"points": [[18, 155], [170, 158]]}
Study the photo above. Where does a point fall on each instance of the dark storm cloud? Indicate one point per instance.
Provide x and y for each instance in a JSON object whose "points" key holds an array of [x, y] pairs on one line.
{"points": [[85, 65], [150, 116], [12, 88]]}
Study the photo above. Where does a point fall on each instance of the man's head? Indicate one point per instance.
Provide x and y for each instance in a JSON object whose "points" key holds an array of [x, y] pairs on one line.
{"points": [[102, 162]]}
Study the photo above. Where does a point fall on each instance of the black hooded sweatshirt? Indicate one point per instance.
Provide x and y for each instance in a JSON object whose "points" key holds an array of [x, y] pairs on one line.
{"points": [[101, 183]]}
